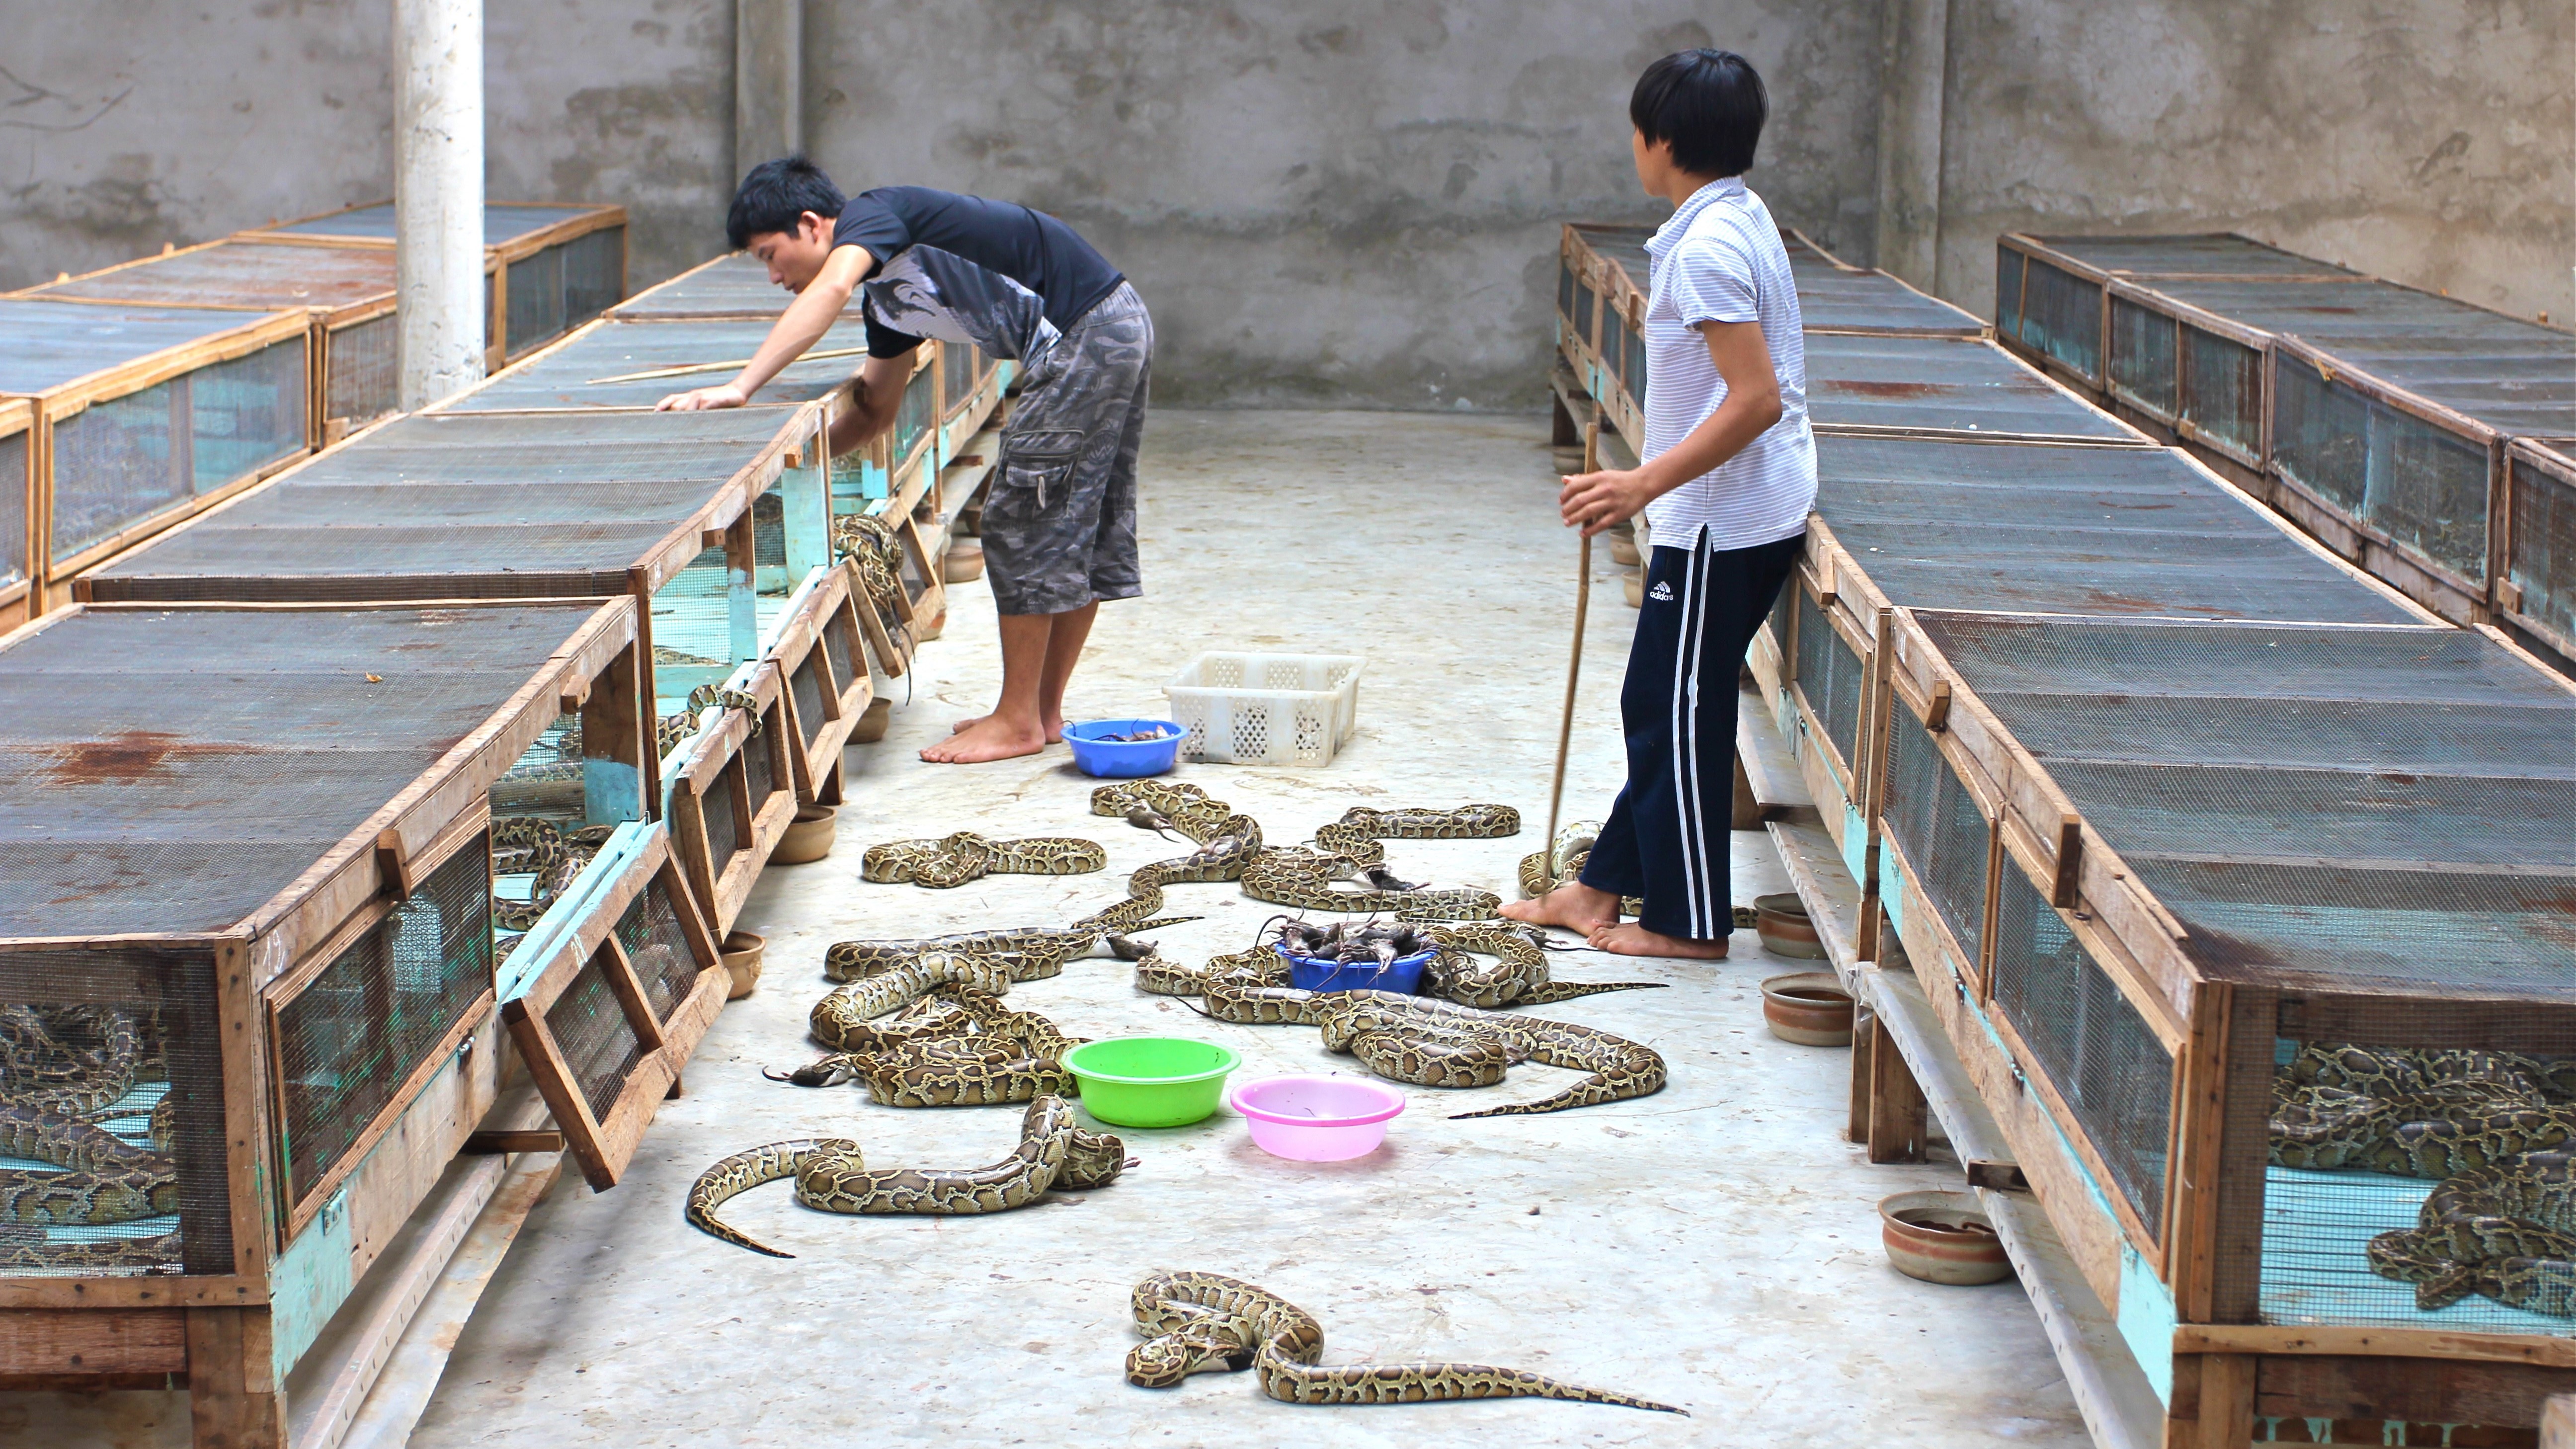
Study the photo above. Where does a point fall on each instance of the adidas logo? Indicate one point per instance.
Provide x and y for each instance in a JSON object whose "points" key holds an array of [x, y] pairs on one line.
{"points": [[1663, 591]]}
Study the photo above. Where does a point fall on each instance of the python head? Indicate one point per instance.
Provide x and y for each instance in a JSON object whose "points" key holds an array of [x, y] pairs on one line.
{"points": [[1163, 1361]]}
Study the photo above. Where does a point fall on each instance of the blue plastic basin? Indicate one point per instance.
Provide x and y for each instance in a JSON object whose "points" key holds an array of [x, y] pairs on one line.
{"points": [[1123, 759], [1306, 973]]}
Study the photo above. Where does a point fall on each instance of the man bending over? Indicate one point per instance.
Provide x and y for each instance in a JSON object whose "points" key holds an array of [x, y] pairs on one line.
{"points": [[1060, 518], [1730, 473]]}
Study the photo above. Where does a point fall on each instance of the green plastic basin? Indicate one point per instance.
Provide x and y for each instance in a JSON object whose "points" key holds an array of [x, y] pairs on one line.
{"points": [[1150, 1081]]}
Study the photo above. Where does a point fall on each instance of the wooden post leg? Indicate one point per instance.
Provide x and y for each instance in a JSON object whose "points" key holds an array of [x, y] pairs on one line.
{"points": [[233, 1399], [827, 791], [1864, 1032], [1748, 811], [2558, 1422], [1563, 431], [2218, 1412], [1896, 1108]]}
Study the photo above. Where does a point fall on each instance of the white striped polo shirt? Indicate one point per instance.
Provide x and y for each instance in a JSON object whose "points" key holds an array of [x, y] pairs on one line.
{"points": [[1719, 259]]}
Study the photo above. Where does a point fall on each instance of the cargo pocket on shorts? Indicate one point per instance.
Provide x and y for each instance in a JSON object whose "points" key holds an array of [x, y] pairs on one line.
{"points": [[1036, 473]]}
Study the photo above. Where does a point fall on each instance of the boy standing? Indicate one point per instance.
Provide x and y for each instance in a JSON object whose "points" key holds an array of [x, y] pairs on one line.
{"points": [[1728, 478], [1059, 525]]}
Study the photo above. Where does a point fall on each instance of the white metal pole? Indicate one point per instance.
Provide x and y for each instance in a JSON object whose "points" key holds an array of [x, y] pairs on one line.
{"points": [[438, 196]]}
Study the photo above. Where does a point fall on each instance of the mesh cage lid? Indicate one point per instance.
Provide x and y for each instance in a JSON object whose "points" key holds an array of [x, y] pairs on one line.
{"points": [[173, 770], [45, 344]]}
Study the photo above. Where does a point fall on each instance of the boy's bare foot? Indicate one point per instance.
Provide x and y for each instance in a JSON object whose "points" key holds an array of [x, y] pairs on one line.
{"points": [[1054, 727], [1576, 907], [1633, 939], [986, 739]]}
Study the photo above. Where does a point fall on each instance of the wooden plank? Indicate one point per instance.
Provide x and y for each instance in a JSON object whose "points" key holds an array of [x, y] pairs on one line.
{"points": [[89, 1341], [233, 1400], [2119, 1406], [2226, 1407], [2419, 1390], [2268, 1339], [1913, 1029], [1824, 887], [1770, 770]]}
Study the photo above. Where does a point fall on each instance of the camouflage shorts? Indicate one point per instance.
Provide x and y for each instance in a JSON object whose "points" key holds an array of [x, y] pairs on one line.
{"points": [[1060, 518]]}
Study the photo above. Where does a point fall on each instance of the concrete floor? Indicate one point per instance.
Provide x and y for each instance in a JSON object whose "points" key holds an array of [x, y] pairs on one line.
{"points": [[1713, 1246]]}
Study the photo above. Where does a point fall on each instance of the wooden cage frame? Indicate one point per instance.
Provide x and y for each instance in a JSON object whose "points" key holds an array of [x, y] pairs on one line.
{"points": [[59, 405], [694, 787], [231, 1337], [22, 598], [604, 1145], [2533, 464], [498, 347], [829, 603]]}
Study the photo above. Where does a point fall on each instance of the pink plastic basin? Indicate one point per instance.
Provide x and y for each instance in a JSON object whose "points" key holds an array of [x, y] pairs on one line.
{"points": [[1317, 1119]]}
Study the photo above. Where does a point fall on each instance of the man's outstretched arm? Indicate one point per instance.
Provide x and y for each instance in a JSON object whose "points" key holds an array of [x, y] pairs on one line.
{"points": [[797, 329], [880, 393]]}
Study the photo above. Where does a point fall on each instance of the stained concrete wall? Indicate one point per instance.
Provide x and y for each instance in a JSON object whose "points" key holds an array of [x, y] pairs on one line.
{"points": [[1344, 201], [1347, 201], [124, 128], [2433, 141]]}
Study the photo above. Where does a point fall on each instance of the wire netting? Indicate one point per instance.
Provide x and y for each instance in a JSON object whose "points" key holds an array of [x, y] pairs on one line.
{"points": [[736, 287], [546, 780], [1933, 819], [956, 377], [841, 646], [1830, 673], [1939, 382], [724, 838], [1565, 288], [594, 273], [2061, 317], [125, 460], [1636, 366], [2220, 391], [2088, 1040], [45, 344], [1614, 350], [2425, 487], [2192, 254], [917, 413], [1583, 313], [503, 221], [244, 273], [599, 1045], [13, 508], [656, 945], [1833, 299], [133, 1036], [762, 770], [2541, 561], [2013, 537], [805, 681], [351, 1038], [171, 772], [536, 301], [2008, 275], [599, 370], [359, 377], [2140, 366]]}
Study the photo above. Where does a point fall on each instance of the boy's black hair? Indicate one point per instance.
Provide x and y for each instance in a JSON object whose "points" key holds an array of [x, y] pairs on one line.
{"points": [[1708, 103], [776, 194]]}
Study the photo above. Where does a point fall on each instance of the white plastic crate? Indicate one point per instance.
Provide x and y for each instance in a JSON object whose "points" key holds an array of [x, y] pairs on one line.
{"points": [[1266, 709]]}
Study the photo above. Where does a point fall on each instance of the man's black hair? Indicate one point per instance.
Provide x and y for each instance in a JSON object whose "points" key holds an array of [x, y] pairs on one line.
{"points": [[1708, 103], [776, 194]]}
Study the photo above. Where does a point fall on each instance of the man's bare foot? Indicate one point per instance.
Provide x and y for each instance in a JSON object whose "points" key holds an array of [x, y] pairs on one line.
{"points": [[1576, 907], [1633, 939], [987, 739], [1054, 727]]}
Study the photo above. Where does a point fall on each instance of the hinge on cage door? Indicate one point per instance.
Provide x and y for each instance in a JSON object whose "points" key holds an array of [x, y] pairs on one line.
{"points": [[393, 862]]}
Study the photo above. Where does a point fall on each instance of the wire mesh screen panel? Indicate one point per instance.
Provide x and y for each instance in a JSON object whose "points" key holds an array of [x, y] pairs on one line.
{"points": [[112, 1133], [956, 375], [840, 629], [13, 508], [600, 1046], [2008, 274], [1636, 366], [1565, 289], [1936, 823], [353, 1036], [2141, 364], [654, 941], [600, 368], [917, 413], [760, 768], [2392, 1197], [1614, 347], [2423, 486], [1783, 609], [2541, 562], [724, 837], [2096, 1050], [1583, 314], [1948, 383], [122, 461], [545, 781], [2220, 392], [805, 681], [536, 293], [1830, 674], [2061, 317], [594, 273], [359, 375]]}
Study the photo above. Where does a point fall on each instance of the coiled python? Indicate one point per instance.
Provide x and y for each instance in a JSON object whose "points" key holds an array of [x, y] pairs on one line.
{"points": [[965, 856], [832, 1177], [60, 1069], [2417, 1113], [2506, 1232], [958, 1049], [1197, 1322]]}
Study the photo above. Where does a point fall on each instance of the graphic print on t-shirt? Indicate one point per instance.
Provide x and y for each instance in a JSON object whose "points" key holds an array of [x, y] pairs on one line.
{"points": [[927, 292]]}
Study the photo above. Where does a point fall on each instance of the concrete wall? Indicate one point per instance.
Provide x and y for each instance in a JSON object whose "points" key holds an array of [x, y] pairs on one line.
{"points": [[1348, 201], [1340, 201], [2433, 141]]}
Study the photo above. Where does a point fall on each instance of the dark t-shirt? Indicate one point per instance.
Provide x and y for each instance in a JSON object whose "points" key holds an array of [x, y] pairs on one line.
{"points": [[969, 270]]}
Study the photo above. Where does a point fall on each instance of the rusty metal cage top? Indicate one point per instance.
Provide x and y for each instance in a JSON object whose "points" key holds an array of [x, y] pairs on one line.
{"points": [[243, 273], [595, 369], [173, 770], [2223, 254], [46, 345], [559, 502], [503, 221], [2073, 530], [1942, 383]]}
